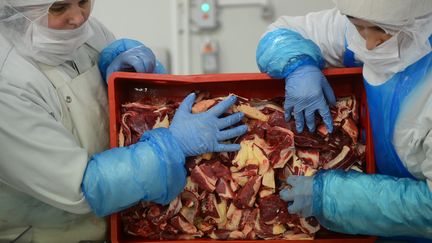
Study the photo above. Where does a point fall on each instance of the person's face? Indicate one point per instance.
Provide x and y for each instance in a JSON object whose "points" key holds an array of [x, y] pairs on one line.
{"points": [[373, 34], [68, 14]]}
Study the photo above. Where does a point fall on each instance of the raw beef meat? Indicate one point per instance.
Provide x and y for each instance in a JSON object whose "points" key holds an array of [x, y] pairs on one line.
{"points": [[235, 195]]}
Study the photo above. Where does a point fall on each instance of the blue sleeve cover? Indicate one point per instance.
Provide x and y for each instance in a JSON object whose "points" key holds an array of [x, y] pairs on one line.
{"points": [[160, 69], [281, 51], [150, 170], [357, 203], [114, 49]]}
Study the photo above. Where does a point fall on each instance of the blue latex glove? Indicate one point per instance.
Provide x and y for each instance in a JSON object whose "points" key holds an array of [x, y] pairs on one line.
{"points": [[150, 170], [300, 195], [202, 133], [138, 59], [128, 55], [307, 91]]}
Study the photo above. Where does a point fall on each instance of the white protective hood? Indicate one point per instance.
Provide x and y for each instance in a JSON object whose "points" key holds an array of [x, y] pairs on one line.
{"points": [[25, 24], [409, 20], [397, 12]]}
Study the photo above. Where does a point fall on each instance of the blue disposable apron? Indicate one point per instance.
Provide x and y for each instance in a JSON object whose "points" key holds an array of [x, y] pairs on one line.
{"points": [[381, 99], [349, 57], [384, 103]]}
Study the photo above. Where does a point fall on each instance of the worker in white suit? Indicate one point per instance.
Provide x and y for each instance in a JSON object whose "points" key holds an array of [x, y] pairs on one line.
{"points": [[391, 39], [57, 176]]}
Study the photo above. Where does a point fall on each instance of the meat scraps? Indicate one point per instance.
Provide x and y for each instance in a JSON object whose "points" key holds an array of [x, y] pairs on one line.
{"points": [[235, 195]]}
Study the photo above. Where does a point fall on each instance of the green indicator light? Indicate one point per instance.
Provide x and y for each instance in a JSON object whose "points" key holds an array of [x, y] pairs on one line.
{"points": [[205, 7]]}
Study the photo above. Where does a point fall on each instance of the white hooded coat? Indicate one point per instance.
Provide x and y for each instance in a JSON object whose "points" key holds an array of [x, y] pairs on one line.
{"points": [[43, 160]]}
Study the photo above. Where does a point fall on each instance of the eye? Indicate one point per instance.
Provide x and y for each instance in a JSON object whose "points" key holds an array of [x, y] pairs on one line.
{"points": [[83, 3], [58, 8], [376, 28]]}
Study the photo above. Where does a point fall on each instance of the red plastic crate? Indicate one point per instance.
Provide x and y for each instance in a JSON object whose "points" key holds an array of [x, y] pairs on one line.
{"points": [[128, 87]]}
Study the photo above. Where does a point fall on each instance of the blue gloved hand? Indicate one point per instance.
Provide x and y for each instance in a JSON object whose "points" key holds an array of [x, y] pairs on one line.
{"points": [[128, 55], [202, 133], [300, 195], [307, 91], [138, 59]]}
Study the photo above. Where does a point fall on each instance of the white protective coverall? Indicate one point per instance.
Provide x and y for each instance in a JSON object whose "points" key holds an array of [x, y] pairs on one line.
{"points": [[398, 82], [55, 116]]}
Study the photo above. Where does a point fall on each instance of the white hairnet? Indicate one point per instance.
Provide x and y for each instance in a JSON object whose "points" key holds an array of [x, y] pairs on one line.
{"points": [[12, 11], [25, 24], [23, 3], [392, 12]]}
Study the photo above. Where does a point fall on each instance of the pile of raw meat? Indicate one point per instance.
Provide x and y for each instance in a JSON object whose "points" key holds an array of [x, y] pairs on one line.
{"points": [[235, 195]]}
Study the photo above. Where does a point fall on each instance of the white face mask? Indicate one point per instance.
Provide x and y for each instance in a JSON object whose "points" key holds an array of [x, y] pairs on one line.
{"points": [[407, 45], [387, 51], [384, 60], [54, 47]]}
